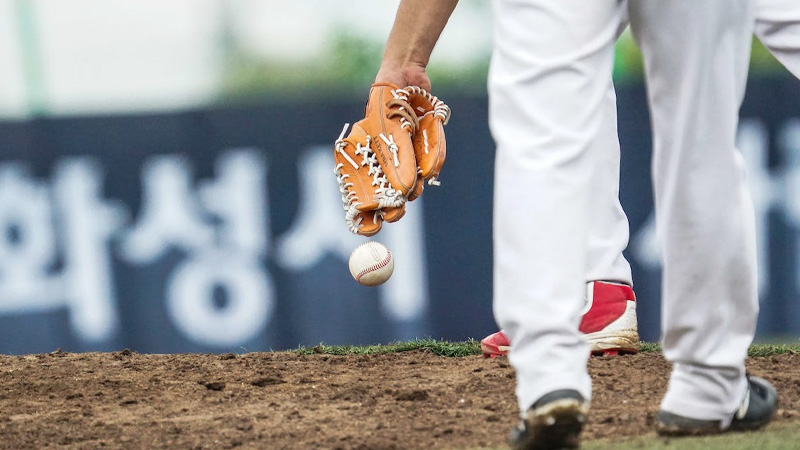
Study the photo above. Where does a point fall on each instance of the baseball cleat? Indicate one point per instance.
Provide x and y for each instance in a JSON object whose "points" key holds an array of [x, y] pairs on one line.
{"points": [[609, 322], [494, 345], [554, 421], [756, 410]]}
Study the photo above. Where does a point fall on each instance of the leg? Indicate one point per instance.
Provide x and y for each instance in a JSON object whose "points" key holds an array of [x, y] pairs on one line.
{"points": [[610, 322], [696, 57], [609, 230], [549, 76], [778, 28]]}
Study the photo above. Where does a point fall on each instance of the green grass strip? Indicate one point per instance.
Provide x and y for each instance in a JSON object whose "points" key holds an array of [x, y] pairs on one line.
{"points": [[648, 347], [777, 436], [473, 347], [773, 349], [442, 348], [774, 437]]}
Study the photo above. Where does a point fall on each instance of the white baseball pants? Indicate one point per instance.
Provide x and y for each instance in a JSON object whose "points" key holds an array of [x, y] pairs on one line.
{"points": [[777, 26], [548, 92]]}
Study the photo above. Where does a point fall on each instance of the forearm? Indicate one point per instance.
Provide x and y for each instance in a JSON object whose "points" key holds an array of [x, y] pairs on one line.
{"points": [[417, 27]]}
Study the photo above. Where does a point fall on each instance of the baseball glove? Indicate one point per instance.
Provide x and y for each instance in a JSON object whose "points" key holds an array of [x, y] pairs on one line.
{"points": [[388, 155]]}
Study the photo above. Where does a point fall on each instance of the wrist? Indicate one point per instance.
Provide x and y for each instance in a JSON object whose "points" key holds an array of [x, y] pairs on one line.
{"points": [[391, 75], [410, 74]]}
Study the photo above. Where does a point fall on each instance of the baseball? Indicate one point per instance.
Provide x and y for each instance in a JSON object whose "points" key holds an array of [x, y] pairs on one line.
{"points": [[371, 263]]}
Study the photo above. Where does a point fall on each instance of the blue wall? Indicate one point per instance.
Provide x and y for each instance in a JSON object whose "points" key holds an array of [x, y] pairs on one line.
{"points": [[221, 230]]}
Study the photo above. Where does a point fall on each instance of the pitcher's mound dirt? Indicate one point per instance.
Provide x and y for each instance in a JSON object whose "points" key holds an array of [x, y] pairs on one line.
{"points": [[411, 400]]}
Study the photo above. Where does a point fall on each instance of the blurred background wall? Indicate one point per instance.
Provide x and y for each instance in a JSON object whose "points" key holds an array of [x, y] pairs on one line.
{"points": [[95, 56], [166, 182]]}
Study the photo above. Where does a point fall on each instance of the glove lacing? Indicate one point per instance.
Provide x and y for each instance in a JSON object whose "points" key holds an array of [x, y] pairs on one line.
{"points": [[399, 107], [385, 194], [408, 119], [440, 110]]}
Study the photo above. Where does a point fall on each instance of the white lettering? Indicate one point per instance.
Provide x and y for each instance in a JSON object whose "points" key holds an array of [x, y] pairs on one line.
{"points": [[32, 276], [223, 230], [246, 307], [88, 224]]}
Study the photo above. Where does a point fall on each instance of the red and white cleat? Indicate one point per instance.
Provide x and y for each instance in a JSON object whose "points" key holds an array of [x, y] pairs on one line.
{"points": [[495, 344], [609, 323]]}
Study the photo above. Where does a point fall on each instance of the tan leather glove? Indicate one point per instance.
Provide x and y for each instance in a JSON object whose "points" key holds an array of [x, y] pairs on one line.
{"points": [[388, 155]]}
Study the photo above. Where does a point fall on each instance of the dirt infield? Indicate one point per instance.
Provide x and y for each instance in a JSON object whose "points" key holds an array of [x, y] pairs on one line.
{"points": [[409, 400]]}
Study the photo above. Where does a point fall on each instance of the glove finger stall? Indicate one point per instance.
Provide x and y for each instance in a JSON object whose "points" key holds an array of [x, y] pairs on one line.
{"points": [[362, 183], [386, 121], [430, 148]]}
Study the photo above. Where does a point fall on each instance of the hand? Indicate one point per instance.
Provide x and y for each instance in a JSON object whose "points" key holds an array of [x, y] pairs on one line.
{"points": [[409, 75]]}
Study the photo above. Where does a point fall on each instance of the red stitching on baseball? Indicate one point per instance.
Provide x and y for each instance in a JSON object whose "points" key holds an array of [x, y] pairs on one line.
{"points": [[373, 267]]}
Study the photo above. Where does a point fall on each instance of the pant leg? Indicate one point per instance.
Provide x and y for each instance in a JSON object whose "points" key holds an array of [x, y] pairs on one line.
{"points": [[550, 71], [778, 28], [608, 224], [696, 58], [609, 230]]}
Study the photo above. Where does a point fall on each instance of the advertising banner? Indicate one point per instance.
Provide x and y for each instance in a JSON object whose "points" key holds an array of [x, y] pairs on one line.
{"points": [[222, 229]]}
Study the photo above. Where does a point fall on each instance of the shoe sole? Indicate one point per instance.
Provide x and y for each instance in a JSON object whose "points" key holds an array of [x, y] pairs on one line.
{"points": [[679, 431], [493, 351], [766, 403], [555, 425], [602, 344], [619, 342], [663, 429]]}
